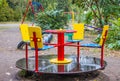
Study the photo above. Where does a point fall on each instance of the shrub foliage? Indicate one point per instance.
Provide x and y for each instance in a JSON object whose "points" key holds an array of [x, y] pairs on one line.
{"points": [[54, 19], [7, 13], [114, 35]]}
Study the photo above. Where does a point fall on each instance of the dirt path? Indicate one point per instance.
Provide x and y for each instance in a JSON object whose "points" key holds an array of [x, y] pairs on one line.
{"points": [[10, 37]]}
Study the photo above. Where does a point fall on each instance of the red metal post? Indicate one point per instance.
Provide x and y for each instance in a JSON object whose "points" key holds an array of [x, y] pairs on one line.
{"points": [[61, 46], [60, 68], [36, 51], [102, 53], [26, 55], [102, 49], [78, 51]]}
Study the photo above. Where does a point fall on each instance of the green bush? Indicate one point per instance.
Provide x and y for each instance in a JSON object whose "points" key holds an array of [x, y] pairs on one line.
{"points": [[54, 19], [17, 15], [113, 41], [6, 14]]}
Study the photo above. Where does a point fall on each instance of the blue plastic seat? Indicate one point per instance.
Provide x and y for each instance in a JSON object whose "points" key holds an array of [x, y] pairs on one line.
{"points": [[74, 40], [93, 45]]}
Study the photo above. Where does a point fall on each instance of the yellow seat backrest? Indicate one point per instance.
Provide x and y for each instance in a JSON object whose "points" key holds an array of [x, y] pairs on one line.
{"points": [[79, 28], [105, 28], [24, 32], [38, 33]]}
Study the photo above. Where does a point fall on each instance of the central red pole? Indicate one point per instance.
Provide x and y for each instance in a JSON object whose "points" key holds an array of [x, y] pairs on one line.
{"points": [[36, 51], [60, 46], [60, 68]]}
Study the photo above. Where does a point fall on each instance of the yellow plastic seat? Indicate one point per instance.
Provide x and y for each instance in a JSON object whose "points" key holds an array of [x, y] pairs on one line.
{"points": [[24, 32], [102, 39], [37, 31], [27, 36], [103, 36], [100, 45], [79, 35]]}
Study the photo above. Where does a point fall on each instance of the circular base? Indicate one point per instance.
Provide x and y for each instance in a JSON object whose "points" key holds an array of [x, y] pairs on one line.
{"points": [[94, 76], [84, 65], [56, 61]]}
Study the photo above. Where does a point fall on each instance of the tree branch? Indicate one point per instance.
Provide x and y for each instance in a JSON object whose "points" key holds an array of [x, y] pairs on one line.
{"points": [[100, 15], [93, 10]]}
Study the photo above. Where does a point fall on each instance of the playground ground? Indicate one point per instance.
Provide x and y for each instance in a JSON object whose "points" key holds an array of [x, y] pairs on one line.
{"points": [[10, 37]]}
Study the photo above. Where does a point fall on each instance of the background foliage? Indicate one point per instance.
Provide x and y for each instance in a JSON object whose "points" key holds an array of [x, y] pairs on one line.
{"points": [[113, 41], [92, 12], [53, 16], [53, 19], [103, 12], [6, 13]]}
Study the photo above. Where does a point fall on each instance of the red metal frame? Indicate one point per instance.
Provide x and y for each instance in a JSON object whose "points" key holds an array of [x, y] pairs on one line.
{"points": [[78, 51], [33, 11], [102, 55], [65, 44], [102, 49], [60, 68], [60, 46], [26, 55], [36, 51]]}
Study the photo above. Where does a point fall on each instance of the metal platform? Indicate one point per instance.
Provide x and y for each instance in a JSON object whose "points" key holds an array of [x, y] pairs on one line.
{"points": [[86, 64]]}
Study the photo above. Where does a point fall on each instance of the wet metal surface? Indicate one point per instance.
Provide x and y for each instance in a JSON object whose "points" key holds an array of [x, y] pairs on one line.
{"points": [[85, 64]]}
